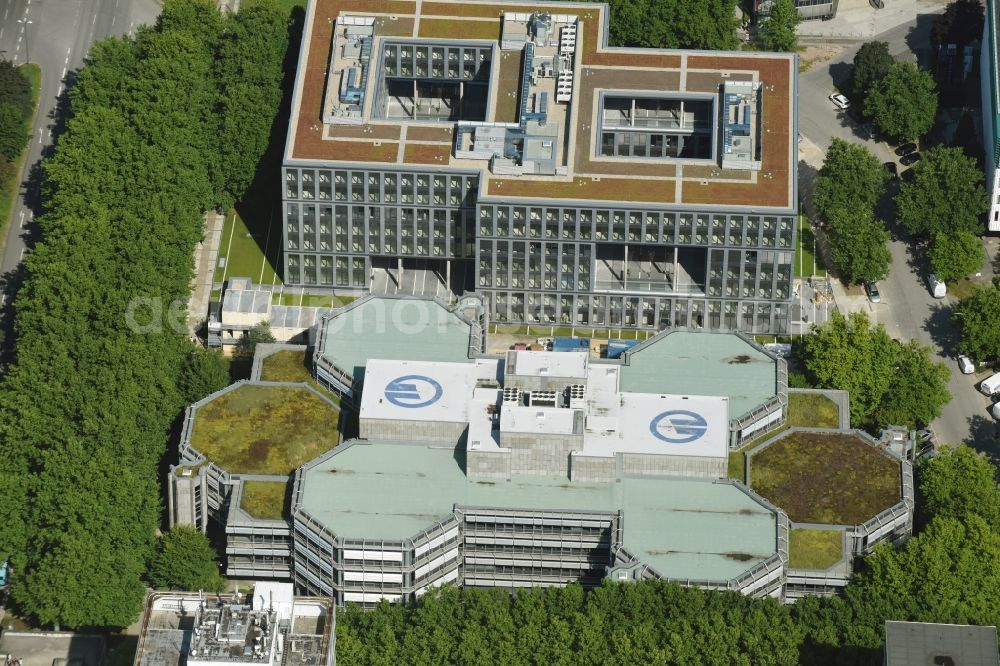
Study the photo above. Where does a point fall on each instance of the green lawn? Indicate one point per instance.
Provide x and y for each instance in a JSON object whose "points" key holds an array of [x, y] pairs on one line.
{"points": [[806, 264], [8, 190], [814, 549], [243, 249], [829, 478], [305, 300], [265, 499], [811, 410], [265, 429]]}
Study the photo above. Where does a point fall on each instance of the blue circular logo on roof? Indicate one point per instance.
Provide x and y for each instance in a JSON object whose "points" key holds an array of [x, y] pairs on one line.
{"points": [[413, 391], [678, 426]]}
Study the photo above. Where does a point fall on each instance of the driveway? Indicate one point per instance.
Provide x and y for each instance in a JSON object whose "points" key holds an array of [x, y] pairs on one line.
{"points": [[907, 310]]}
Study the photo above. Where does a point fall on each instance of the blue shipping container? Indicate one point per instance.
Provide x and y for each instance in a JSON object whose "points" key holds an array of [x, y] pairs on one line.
{"points": [[570, 344]]}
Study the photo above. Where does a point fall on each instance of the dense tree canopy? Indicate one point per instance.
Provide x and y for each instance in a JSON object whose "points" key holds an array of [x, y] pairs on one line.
{"points": [[649, 623], [958, 482], [13, 131], [851, 178], [956, 255], [848, 186], [977, 319], [858, 245], [946, 194], [185, 560], [889, 383], [204, 373], [776, 31], [871, 64], [86, 408], [904, 102], [696, 24], [15, 89]]}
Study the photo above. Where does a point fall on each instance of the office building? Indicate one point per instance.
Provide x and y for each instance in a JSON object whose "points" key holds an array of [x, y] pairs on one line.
{"points": [[507, 150]]}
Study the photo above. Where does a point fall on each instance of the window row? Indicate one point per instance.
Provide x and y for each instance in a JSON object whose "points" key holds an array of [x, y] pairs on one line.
{"points": [[380, 187], [636, 226], [614, 311], [379, 230], [525, 265]]}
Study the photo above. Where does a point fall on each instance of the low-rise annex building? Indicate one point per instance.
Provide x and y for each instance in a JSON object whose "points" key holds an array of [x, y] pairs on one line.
{"points": [[269, 627]]}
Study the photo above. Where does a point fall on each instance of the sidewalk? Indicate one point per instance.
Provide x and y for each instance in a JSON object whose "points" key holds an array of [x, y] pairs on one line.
{"points": [[856, 19], [206, 254]]}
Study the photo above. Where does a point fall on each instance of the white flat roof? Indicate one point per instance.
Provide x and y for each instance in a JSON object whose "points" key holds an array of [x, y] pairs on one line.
{"points": [[537, 420], [423, 390], [547, 364], [660, 424]]}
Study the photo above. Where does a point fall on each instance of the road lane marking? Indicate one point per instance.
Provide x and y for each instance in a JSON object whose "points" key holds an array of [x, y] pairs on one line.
{"points": [[68, 51], [94, 21], [63, 74], [22, 219], [23, 250], [59, 93], [113, 19]]}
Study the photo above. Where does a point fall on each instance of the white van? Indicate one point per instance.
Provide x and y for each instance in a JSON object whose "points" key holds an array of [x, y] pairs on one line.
{"points": [[938, 288], [990, 385]]}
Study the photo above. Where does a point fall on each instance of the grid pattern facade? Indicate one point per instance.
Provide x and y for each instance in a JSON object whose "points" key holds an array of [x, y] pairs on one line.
{"points": [[337, 220], [537, 263]]}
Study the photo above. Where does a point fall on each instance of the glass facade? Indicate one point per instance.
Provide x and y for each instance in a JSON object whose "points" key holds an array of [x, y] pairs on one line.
{"points": [[562, 265]]}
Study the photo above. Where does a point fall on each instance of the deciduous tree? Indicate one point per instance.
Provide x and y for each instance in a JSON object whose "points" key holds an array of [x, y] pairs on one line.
{"points": [[946, 194], [13, 131], [955, 255], [851, 178], [903, 103], [977, 318], [858, 245], [776, 31], [871, 64], [958, 482], [185, 560], [889, 383], [205, 372]]}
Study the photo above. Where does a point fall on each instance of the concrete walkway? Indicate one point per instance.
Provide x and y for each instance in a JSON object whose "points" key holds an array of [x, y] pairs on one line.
{"points": [[206, 254], [856, 19]]}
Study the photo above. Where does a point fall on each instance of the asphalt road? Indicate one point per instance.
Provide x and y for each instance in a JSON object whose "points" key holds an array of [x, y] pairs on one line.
{"points": [[56, 35], [907, 309]]}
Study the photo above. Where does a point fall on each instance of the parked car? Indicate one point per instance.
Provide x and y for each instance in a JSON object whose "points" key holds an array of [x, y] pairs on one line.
{"points": [[937, 287], [906, 149], [892, 169], [907, 160], [871, 289], [840, 101], [995, 410], [966, 365], [876, 4], [906, 175]]}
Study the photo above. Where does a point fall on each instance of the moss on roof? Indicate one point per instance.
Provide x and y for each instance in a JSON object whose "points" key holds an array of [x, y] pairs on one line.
{"points": [[814, 549], [828, 478], [263, 429], [265, 499]]}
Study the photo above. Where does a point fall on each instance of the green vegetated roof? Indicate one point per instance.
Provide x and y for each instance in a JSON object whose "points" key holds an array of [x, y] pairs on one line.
{"points": [[702, 363], [812, 410], [285, 366], [265, 429], [685, 529], [827, 478], [395, 329], [265, 499], [814, 549]]}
